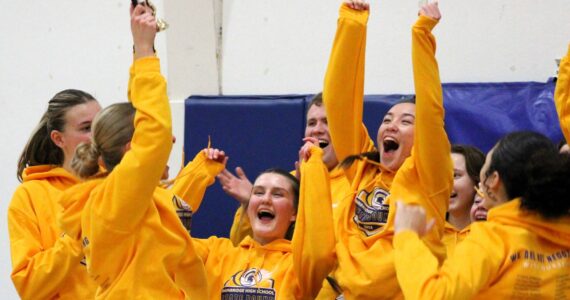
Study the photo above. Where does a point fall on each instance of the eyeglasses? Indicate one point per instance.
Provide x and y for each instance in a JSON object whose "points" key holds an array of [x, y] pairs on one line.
{"points": [[479, 192]]}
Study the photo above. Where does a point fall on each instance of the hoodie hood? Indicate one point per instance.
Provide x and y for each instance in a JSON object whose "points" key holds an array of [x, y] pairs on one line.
{"points": [[58, 176], [510, 213], [72, 203]]}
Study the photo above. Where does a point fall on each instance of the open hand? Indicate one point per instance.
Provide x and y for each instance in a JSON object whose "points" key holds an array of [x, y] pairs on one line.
{"points": [[239, 187]]}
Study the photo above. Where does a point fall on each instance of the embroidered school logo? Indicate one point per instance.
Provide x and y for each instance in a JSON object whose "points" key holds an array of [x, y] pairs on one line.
{"points": [[184, 212], [371, 211], [250, 284]]}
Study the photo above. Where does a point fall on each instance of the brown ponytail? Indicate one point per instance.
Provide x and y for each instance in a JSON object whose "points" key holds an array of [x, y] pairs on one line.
{"points": [[40, 149]]}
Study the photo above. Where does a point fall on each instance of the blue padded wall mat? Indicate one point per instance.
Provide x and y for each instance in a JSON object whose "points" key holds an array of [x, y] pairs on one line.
{"points": [[258, 132]]}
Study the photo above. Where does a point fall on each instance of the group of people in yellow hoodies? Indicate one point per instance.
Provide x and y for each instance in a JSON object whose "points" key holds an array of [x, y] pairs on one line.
{"points": [[91, 221]]}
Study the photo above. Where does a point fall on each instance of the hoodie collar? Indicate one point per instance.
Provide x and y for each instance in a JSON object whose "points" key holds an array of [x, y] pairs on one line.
{"points": [[282, 245], [510, 213], [49, 172]]}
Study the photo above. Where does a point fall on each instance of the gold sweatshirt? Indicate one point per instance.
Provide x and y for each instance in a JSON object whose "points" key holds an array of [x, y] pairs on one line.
{"points": [[280, 269], [515, 254], [190, 185], [45, 262], [562, 95], [452, 237], [133, 240], [364, 237]]}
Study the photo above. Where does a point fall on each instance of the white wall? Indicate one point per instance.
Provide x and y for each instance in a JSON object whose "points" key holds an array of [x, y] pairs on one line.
{"points": [[269, 47], [283, 46]]}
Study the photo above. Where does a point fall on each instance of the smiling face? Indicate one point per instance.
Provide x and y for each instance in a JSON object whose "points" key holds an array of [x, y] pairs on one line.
{"points": [[317, 127], [463, 191], [396, 135], [478, 212], [271, 207]]}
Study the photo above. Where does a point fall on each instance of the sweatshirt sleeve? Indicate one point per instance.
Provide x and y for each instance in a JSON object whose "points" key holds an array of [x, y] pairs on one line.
{"points": [[343, 92], [241, 227], [431, 150], [131, 76], [195, 178], [462, 275], [128, 190], [37, 272], [562, 95], [313, 241]]}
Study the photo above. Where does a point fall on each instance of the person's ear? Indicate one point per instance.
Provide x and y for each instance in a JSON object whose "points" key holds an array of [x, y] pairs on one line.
{"points": [[127, 147], [57, 138], [293, 218]]}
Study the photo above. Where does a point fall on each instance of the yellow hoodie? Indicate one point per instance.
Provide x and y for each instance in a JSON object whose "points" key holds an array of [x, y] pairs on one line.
{"points": [[515, 254], [562, 95], [45, 262], [280, 269], [452, 236], [134, 242], [364, 237]]}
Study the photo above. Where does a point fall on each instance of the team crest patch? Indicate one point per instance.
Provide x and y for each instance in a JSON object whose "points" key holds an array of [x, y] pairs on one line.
{"points": [[371, 212], [184, 212], [250, 284]]}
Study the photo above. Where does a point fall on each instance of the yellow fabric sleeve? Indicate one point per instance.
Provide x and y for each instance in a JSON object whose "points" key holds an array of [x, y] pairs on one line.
{"points": [[431, 150], [38, 273], [131, 76], [426, 178], [343, 92], [137, 175], [462, 275], [313, 241], [430, 139], [195, 178], [562, 95], [241, 227]]}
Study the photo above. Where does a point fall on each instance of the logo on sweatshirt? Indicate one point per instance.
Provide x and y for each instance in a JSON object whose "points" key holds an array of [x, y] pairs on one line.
{"points": [[184, 212], [371, 212], [249, 284]]}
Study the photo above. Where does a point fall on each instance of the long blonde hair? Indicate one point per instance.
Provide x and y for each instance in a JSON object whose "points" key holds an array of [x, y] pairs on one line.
{"points": [[112, 129]]}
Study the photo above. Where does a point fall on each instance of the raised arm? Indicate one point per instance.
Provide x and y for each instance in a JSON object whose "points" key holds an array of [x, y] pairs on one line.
{"points": [[198, 175], [313, 240], [431, 151], [343, 92], [562, 95], [129, 187]]}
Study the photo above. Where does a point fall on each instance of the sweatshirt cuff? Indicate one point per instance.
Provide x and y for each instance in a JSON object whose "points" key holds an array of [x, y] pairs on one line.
{"points": [[147, 64], [401, 238], [426, 22], [316, 154], [360, 16], [212, 168]]}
